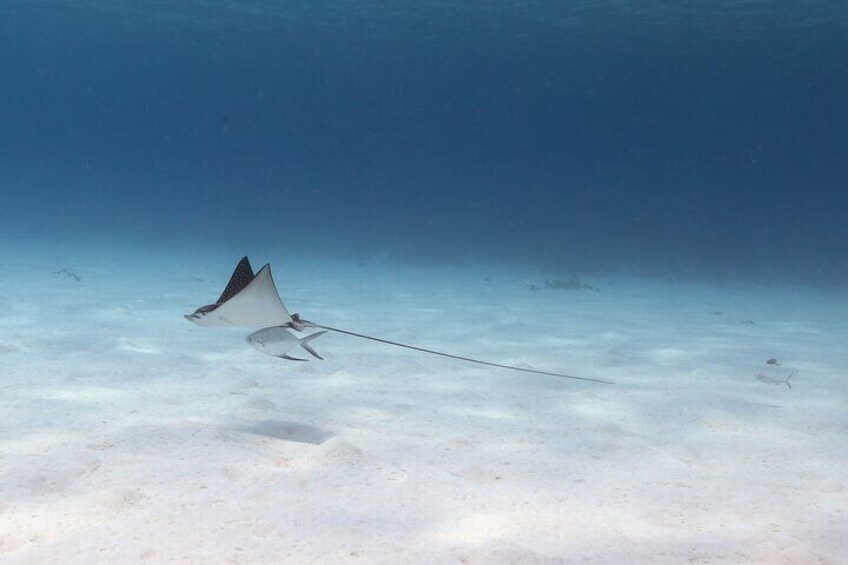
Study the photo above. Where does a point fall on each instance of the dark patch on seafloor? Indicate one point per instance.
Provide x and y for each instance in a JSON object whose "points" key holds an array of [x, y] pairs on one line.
{"points": [[288, 431]]}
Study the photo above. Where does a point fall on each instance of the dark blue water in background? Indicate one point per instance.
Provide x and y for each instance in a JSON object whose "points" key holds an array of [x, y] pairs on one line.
{"points": [[692, 139]]}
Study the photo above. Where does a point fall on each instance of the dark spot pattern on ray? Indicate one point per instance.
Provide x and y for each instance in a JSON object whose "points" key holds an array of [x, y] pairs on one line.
{"points": [[242, 275]]}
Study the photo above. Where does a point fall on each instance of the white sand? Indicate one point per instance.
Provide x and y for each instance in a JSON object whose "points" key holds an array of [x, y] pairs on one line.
{"points": [[129, 435]]}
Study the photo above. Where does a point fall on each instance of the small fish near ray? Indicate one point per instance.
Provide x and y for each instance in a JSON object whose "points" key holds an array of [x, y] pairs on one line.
{"points": [[253, 301], [278, 341]]}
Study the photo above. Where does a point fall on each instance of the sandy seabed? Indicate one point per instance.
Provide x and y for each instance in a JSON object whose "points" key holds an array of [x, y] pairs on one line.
{"points": [[128, 435]]}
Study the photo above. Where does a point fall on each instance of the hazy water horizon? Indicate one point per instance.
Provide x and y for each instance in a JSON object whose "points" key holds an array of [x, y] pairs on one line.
{"points": [[704, 141]]}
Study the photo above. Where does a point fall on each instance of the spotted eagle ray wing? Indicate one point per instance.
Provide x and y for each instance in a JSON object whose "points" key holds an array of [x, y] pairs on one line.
{"points": [[247, 301]]}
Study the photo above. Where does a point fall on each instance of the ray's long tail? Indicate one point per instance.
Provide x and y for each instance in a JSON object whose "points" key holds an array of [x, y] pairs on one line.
{"points": [[459, 357]]}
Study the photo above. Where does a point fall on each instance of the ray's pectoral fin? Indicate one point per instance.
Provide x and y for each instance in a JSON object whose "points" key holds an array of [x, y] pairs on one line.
{"points": [[241, 277], [248, 300]]}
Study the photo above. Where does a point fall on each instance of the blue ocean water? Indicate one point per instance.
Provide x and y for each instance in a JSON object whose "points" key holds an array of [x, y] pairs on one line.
{"points": [[687, 139]]}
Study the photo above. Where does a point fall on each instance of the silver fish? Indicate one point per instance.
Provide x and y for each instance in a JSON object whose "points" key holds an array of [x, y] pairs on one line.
{"points": [[278, 341]]}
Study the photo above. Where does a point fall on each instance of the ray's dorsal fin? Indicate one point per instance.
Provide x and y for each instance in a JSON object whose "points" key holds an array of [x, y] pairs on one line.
{"points": [[241, 277]]}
